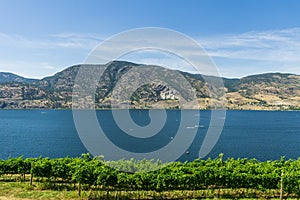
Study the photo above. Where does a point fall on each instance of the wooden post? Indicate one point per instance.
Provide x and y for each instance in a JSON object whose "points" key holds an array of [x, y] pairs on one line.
{"points": [[107, 193], [31, 179], [281, 186], [79, 189]]}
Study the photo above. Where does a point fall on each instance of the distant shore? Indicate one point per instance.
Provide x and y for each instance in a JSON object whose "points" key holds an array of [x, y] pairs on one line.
{"points": [[100, 109]]}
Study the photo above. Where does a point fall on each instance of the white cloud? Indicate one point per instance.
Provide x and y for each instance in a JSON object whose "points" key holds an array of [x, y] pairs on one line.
{"points": [[255, 52], [277, 45], [65, 40], [235, 55], [42, 57], [73, 40]]}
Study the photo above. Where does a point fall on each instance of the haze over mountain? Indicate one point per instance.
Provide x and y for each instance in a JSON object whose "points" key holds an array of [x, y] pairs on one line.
{"points": [[6, 77], [271, 91]]}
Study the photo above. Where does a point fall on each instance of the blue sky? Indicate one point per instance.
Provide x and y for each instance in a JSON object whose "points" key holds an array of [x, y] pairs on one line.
{"points": [[39, 38]]}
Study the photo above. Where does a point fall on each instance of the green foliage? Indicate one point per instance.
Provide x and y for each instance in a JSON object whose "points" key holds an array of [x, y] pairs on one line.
{"points": [[197, 175]]}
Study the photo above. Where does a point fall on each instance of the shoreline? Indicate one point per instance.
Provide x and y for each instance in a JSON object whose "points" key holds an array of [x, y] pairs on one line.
{"points": [[100, 109]]}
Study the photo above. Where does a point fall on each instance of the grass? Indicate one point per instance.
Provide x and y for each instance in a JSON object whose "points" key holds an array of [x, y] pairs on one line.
{"points": [[21, 190], [14, 190]]}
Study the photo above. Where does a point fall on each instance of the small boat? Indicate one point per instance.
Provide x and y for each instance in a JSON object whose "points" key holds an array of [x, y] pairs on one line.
{"points": [[190, 127]]}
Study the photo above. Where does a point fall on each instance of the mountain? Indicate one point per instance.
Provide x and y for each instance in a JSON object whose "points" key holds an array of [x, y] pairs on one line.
{"points": [[6, 77], [271, 91]]}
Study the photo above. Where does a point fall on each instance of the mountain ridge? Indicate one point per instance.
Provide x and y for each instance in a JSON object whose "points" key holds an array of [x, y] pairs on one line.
{"points": [[6, 77], [268, 91]]}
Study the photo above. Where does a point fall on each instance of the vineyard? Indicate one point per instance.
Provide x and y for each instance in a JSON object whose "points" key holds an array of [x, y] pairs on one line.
{"points": [[195, 179]]}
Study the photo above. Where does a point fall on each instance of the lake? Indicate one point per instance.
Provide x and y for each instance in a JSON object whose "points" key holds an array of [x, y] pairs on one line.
{"points": [[264, 135]]}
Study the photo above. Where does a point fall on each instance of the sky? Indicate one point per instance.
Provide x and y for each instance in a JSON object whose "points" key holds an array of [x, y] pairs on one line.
{"points": [[243, 37]]}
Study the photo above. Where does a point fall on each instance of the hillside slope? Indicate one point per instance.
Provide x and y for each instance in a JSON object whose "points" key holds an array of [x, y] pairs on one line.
{"points": [[272, 91], [6, 77]]}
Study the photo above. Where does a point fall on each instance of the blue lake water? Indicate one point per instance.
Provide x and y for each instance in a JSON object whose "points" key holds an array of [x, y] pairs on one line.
{"points": [[265, 135]]}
